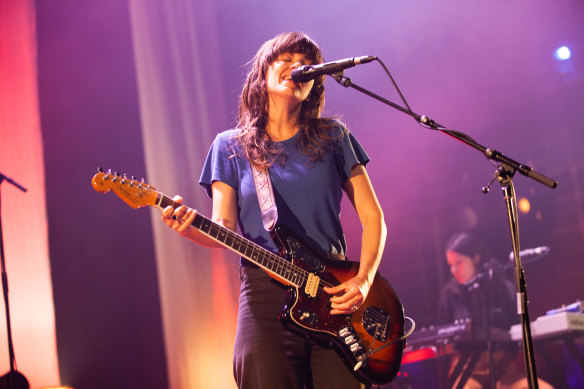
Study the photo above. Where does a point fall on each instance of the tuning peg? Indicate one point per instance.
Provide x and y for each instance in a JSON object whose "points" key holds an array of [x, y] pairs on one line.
{"points": [[108, 174], [99, 170]]}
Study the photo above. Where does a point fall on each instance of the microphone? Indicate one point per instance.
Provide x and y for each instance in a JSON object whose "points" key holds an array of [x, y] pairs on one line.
{"points": [[309, 72], [532, 253]]}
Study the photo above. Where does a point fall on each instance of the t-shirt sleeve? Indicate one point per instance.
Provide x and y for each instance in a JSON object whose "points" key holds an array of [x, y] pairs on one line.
{"points": [[351, 153], [220, 164]]}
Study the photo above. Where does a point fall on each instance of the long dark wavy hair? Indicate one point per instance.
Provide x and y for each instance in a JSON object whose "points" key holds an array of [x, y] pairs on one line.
{"points": [[253, 139]]}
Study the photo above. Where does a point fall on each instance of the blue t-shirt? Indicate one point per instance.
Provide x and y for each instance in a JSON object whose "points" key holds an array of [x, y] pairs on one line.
{"points": [[308, 195]]}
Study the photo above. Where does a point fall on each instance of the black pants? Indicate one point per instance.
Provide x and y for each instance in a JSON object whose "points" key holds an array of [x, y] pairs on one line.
{"points": [[268, 356]]}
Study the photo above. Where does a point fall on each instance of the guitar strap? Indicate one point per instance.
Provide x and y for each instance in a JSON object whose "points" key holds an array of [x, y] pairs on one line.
{"points": [[265, 192]]}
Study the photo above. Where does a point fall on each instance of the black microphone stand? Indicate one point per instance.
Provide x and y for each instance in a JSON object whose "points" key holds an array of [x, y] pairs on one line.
{"points": [[504, 174], [13, 379], [486, 312]]}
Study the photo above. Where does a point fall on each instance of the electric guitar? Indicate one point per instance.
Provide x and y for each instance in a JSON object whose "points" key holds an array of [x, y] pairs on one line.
{"points": [[370, 340]]}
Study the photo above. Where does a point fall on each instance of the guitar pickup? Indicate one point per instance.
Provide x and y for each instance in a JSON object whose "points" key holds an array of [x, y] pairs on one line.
{"points": [[311, 286]]}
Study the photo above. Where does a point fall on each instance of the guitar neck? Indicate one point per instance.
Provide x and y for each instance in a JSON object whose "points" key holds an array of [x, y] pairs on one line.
{"points": [[270, 262]]}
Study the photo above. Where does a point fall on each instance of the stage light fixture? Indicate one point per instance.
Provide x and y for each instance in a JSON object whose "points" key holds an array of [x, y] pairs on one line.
{"points": [[524, 205], [562, 53]]}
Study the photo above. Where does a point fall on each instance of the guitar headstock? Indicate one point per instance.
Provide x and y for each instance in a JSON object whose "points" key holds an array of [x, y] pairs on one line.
{"points": [[135, 193]]}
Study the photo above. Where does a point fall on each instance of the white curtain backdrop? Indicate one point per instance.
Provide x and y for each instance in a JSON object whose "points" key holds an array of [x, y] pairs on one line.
{"points": [[182, 108], [24, 215]]}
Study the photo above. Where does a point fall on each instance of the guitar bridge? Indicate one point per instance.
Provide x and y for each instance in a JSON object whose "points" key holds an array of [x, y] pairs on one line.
{"points": [[376, 323]]}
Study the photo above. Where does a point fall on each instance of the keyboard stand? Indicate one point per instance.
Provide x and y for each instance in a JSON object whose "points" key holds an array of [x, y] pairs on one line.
{"points": [[463, 369]]}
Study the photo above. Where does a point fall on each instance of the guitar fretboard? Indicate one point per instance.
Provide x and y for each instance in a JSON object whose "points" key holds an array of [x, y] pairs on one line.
{"points": [[262, 257]]}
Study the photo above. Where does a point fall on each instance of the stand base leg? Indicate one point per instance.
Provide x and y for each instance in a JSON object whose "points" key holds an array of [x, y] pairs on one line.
{"points": [[14, 380]]}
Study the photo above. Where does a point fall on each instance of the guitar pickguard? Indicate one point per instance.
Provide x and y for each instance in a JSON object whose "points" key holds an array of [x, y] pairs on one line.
{"points": [[299, 252]]}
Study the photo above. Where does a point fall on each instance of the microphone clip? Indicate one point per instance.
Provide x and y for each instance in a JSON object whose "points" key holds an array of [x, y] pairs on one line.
{"points": [[341, 79]]}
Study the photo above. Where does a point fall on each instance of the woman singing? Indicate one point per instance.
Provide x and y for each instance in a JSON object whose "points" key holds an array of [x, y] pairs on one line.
{"points": [[311, 162]]}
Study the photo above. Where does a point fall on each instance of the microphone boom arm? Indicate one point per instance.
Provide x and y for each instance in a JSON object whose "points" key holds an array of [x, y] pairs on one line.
{"points": [[425, 121]]}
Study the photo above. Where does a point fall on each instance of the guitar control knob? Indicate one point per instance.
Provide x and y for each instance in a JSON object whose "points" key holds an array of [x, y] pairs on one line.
{"points": [[355, 347], [344, 332]]}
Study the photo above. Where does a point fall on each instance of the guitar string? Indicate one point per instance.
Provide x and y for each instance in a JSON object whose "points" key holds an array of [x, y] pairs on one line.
{"points": [[254, 252], [280, 262], [275, 259], [215, 230], [277, 262]]}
